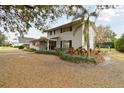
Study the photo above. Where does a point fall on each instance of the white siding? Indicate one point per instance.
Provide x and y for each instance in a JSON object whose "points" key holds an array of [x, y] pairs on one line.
{"points": [[91, 37], [42, 46], [77, 39]]}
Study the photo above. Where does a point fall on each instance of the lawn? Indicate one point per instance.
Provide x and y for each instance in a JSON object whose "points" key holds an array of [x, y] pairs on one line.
{"points": [[7, 49], [115, 54]]}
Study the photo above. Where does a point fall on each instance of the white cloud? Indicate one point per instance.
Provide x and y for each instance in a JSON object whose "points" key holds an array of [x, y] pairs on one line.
{"points": [[104, 19], [106, 15]]}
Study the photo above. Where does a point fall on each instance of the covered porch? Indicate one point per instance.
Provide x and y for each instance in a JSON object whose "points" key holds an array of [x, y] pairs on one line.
{"points": [[52, 43], [56, 42]]}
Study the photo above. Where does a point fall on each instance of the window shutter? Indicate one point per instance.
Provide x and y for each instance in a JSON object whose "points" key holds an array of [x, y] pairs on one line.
{"points": [[70, 43], [60, 44], [61, 30], [70, 28], [54, 32]]}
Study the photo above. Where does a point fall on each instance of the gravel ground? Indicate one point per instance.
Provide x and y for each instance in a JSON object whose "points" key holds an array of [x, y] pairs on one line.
{"points": [[23, 69]]}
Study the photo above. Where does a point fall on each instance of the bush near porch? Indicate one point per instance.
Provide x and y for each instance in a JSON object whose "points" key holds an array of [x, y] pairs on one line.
{"points": [[70, 58], [29, 49]]}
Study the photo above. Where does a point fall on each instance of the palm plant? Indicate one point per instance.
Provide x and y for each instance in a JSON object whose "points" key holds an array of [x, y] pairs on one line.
{"points": [[85, 16]]}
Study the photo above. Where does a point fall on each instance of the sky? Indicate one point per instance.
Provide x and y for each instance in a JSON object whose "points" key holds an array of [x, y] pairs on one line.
{"points": [[109, 17]]}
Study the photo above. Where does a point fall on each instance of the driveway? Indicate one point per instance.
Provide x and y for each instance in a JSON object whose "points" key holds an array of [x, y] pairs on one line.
{"points": [[24, 69]]}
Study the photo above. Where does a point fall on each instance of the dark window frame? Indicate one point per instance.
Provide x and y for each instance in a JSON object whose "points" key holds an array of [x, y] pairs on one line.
{"points": [[70, 43], [60, 44], [61, 30], [50, 32], [67, 29], [54, 32], [71, 28]]}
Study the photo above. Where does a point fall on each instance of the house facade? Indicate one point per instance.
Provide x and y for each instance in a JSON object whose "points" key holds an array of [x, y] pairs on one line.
{"points": [[38, 44], [67, 36]]}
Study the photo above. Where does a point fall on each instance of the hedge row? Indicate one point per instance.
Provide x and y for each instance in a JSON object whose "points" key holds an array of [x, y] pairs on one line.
{"points": [[71, 58]]}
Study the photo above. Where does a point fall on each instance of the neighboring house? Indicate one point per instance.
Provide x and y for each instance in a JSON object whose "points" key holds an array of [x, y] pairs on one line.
{"points": [[63, 36], [40, 43], [22, 41]]}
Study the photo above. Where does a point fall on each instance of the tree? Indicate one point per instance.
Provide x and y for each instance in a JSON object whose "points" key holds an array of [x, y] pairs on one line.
{"points": [[21, 17], [103, 35], [2, 39], [119, 44], [86, 16]]}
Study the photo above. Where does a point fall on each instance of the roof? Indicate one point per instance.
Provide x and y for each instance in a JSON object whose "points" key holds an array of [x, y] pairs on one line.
{"points": [[40, 39], [77, 21], [24, 40]]}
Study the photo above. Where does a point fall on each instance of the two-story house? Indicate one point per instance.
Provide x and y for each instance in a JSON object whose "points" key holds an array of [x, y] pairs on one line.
{"points": [[63, 36]]}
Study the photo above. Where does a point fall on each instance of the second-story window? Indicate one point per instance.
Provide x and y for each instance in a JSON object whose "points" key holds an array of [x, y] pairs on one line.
{"points": [[67, 29], [50, 32], [54, 32], [61, 30], [71, 28]]}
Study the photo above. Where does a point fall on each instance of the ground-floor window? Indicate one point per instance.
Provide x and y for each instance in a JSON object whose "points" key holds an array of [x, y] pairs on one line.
{"points": [[67, 44], [52, 45]]}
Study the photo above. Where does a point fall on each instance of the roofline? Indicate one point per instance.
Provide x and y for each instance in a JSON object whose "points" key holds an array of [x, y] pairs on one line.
{"points": [[63, 25], [40, 39], [25, 37]]}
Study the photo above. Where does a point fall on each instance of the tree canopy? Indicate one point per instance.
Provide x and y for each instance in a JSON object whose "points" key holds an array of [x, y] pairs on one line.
{"points": [[119, 43], [104, 35], [21, 17]]}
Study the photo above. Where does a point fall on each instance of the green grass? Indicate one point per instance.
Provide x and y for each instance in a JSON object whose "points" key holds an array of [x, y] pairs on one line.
{"points": [[7, 49]]}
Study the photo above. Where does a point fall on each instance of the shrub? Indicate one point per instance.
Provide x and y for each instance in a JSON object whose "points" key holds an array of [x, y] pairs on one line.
{"points": [[16, 46], [105, 45], [119, 44], [71, 58], [77, 58], [30, 50], [61, 49], [48, 52], [21, 47]]}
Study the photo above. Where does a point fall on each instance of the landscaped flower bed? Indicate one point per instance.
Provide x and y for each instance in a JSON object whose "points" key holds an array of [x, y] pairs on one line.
{"points": [[97, 54], [68, 57]]}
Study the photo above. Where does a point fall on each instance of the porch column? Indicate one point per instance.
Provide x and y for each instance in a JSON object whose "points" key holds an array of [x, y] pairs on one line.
{"points": [[47, 45]]}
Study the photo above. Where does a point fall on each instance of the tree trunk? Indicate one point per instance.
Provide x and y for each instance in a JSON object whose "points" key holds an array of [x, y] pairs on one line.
{"points": [[99, 46], [88, 43]]}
